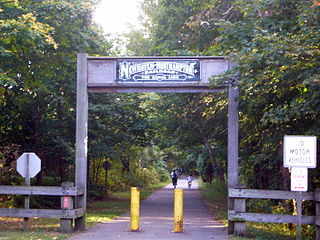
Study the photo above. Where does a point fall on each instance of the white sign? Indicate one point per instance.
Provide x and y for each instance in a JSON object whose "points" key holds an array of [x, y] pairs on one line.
{"points": [[28, 162], [299, 179], [300, 151]]}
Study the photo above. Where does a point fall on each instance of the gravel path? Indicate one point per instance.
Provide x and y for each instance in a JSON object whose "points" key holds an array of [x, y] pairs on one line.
{"points": [[156, 219]]}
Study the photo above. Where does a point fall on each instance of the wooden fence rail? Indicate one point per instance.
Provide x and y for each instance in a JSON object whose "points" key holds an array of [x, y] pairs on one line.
{"points": [[271, 218], [67, 213], [41, 213], [41, 190], [239, 216], [270, 194]]}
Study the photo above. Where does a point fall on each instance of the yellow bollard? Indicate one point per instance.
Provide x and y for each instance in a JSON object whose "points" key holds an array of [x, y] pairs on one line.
{"points": [[135, 209], [178, 211]]}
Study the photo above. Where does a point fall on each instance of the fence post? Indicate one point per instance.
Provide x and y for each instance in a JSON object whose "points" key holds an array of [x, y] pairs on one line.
{"points": [[317, 199], [66, 224], [240, 207]]}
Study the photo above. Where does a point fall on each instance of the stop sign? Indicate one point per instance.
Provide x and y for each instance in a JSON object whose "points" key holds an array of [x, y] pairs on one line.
{"points": [[28, 162]]}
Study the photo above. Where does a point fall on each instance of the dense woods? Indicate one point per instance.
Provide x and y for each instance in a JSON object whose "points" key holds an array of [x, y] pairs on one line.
{"points": [[137, 138], [277, 46], [39, 41]]}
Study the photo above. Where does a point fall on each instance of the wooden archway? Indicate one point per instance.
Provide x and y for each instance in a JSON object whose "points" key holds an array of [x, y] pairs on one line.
{"points": [[148, 74]]}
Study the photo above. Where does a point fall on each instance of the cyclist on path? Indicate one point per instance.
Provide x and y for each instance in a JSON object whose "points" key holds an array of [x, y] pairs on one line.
{"points": [[174, 178], [189, 180]]}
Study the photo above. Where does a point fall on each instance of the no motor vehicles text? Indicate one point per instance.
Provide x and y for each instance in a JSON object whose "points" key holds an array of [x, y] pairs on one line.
{"points": [[299, 159], [299, 155], [300, 151]]}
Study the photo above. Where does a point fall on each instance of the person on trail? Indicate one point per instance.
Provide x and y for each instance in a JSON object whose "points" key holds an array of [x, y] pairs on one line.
{"points": [[174, 178], [189, 180]]}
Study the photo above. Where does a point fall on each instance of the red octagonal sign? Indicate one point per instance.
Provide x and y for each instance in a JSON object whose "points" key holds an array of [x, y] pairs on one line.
{"points": [[28, 165]]}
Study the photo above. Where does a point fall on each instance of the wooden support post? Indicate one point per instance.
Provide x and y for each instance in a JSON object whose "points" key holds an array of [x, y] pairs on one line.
{"points": [[66, 225], [81, 138], [26, 220], [240, 207], [233, 127], [317, 199]]}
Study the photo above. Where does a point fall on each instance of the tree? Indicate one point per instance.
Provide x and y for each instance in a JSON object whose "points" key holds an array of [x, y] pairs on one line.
{"points": [[187, 122], [278, 59], [41, 40], [275, 43]]}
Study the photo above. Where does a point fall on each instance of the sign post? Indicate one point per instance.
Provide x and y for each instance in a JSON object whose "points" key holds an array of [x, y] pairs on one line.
{"points": [[299, 217], [26, 222], [299, 183], [28, 165], [300, 153]]}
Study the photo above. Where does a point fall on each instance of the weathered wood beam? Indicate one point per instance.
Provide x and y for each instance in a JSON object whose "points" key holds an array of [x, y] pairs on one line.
{"points": [[107, 88], [160, 57], [268, 194], [41, 190], [271, 218], [41, 213]]}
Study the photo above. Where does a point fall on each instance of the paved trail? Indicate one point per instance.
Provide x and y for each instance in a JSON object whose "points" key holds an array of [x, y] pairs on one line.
{"points": [[156, 220]]}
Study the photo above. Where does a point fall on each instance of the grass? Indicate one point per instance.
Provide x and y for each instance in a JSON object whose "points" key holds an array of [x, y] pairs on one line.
{"points": [[215, 196], [42, 229], [113, 205]]}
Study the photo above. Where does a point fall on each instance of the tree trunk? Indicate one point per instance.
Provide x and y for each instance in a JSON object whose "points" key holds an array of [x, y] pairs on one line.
{"points": [[125, 163], [216, 168], [61, 155], [37, 142]]}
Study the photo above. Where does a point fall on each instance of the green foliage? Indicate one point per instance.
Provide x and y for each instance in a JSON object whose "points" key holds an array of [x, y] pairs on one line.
{"points": [[188, 132], [215, 195], [275, 42], [130, 166], [276, 45], [39, 42]]}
